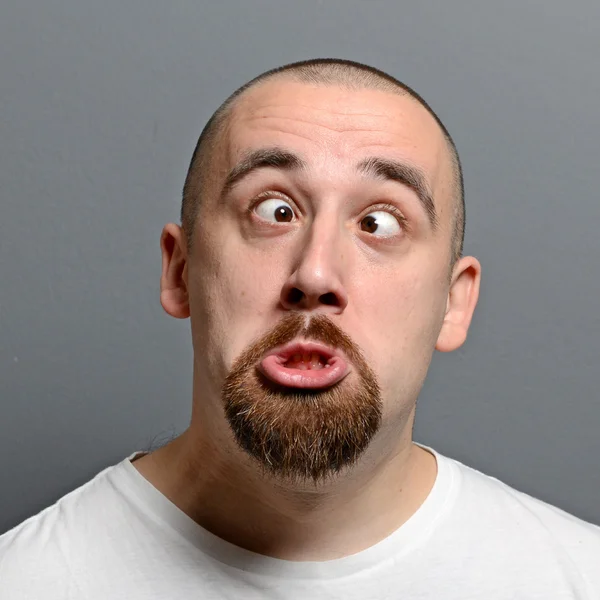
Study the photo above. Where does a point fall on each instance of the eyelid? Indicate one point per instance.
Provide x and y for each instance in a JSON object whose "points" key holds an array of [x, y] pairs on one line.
{"points": [[391, 209], [272, 195], [267, 195]]}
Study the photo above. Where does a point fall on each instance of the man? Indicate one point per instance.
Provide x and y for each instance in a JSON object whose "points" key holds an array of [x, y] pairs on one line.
{"points": [[320, 263]]}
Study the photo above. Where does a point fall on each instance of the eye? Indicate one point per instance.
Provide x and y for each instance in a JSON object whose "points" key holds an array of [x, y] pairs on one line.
{"points": [[380, 223], [275, 210]]}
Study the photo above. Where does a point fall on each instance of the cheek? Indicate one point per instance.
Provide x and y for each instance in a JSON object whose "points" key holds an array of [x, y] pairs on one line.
{"points": [[403, 308], [406, 315], [233, 290], [249, 280]]}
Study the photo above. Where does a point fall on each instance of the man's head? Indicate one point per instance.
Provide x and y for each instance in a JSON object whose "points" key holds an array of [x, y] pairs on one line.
{"points": [[335, 72], [319, 261]]}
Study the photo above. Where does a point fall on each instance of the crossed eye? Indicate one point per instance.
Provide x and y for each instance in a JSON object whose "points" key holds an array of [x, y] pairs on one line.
{"points": [[379, 222]]}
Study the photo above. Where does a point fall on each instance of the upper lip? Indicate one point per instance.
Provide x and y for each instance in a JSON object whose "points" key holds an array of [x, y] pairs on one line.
{"points": [[290, 349]]}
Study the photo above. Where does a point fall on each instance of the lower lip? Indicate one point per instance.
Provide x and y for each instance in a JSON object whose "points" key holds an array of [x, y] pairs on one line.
{"points": [[272, 368]]}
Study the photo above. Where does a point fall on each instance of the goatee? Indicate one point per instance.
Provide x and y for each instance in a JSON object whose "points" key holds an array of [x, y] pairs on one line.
{"points": [[302, 434]]}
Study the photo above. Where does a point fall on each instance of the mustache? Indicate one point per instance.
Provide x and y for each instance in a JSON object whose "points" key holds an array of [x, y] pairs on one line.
{"points": [[318, 328]]}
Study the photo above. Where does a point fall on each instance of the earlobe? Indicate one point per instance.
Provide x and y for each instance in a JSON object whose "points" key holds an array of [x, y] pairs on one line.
{"points": [[173, 281], [460, 306]]}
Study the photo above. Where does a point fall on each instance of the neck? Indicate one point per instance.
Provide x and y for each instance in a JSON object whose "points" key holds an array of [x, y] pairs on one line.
{"points": [[218, 486]]}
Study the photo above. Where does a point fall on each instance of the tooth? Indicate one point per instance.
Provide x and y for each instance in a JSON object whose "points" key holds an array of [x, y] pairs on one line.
{"points": [[314, 361], [302, 366]]}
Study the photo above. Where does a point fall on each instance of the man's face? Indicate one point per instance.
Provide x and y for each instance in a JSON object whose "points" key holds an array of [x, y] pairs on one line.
{"points": [[316, 238]]}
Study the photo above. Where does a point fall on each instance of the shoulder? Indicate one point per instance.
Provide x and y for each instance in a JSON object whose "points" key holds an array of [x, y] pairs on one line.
{"points": [[43, 549], [527, 524], [520, 504]]}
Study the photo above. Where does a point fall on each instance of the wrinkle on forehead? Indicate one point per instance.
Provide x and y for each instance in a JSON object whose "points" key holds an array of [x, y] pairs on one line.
{"points": [[333, 118], [337, 110], [343, 122]]}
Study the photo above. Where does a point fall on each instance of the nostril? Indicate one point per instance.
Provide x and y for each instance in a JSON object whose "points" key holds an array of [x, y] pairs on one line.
{"points": [[330, 299], [295, 296]]}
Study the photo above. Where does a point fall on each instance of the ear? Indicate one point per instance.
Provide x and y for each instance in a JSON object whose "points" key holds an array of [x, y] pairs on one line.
{"points": [[173, 280], [462, 299]]}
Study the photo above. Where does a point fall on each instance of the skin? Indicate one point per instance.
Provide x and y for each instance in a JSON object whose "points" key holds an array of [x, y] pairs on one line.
{"points": [[391, 295]]}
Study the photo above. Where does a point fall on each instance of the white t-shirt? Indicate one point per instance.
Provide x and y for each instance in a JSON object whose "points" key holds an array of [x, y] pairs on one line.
{"points": [[118, 538]]}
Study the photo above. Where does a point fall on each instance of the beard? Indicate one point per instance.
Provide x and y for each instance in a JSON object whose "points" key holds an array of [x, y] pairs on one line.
{"points": [[299, 434]]}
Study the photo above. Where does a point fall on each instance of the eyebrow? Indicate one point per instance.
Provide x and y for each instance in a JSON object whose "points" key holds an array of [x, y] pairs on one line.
{"points": [[376, 167], [259, 159], [413, 177]]}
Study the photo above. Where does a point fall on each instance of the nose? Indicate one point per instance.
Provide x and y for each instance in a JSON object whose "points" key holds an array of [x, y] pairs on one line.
{"points": [[316, 281]]}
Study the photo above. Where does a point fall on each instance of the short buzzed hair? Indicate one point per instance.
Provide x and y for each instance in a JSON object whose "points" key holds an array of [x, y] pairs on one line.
{"points": [[319, 71]]}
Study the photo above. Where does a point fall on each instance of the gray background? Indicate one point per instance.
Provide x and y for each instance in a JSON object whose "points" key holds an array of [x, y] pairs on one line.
{"points": [[100, 107]]}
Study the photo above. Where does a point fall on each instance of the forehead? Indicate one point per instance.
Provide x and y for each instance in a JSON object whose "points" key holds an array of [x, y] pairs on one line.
{"points": [[332, 124], [382, 117]]}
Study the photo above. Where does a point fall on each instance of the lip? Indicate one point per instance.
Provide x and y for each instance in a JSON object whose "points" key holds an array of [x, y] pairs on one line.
{"points": [[272, 366]]}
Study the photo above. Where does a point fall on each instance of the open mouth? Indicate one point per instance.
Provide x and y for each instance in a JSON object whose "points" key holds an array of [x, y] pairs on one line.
{"points": [[307, 361], [306, 365]]}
